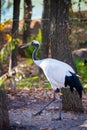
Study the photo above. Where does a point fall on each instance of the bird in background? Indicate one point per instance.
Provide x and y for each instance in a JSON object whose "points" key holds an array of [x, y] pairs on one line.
{"points": [[58, 73]]}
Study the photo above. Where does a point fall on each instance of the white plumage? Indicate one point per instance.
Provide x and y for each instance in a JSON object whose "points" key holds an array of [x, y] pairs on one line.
{"points": [[55, 71], [58, 73]]}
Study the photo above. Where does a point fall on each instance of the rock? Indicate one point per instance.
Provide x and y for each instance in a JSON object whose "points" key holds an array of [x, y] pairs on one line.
{"points": [[80, 53]]}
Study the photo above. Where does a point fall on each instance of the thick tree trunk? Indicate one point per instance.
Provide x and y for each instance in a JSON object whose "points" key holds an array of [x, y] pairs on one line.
{"points": [[4, 118], [59, 29], [60, 46], [27, 19], [15, 30]]}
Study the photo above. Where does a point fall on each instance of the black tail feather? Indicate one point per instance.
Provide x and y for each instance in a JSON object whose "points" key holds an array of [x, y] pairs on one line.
{"points": [[74, 82]]}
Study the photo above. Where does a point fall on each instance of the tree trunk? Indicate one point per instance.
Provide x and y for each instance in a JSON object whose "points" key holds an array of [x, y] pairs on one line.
{"points": [[45, 30], [0, 11], [27, 19], [15, 30], [1, 41], [59, 31], [1, 35], [71, 101], [4, 118], [60, 44]]}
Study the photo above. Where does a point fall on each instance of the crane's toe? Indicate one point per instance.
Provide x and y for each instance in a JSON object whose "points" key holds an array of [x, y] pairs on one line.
{"points": [[38, 113], [57, 119]]}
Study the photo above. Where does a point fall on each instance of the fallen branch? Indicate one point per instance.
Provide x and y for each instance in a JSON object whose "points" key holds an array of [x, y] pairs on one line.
{"points": [[11, 74]]}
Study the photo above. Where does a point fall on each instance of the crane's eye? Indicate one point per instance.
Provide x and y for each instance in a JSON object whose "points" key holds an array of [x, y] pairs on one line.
{"points": [[32, 43], [35, 43]]}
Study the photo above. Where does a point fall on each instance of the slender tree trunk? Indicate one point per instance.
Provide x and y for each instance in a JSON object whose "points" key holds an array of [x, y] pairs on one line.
{"points": [[15, 30], [1, 40], [1, 36], [0, 11], [27, 19], [45, 30], [0, 33], [4, 118], [60, 45]]}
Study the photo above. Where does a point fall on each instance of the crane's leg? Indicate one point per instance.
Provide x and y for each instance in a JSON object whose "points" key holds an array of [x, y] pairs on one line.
{"points": [[39, 112], [60, 107]]}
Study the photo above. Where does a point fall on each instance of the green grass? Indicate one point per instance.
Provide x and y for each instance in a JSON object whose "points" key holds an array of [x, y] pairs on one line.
{"points": [[33, 82], [29, 82]]}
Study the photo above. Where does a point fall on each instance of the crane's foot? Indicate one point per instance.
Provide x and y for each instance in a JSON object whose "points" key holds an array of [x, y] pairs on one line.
{"points": [[37, 113], [57, 119], [60, 94]]}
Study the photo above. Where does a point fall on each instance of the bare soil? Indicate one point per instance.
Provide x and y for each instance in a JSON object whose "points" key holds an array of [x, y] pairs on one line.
{"points": [[24, 103]]}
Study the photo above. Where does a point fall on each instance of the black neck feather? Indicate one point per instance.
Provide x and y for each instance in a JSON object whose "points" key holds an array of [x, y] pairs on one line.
{"points": [[34, 57]]}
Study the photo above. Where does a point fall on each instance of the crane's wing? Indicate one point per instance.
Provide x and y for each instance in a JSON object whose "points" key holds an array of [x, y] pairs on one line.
{"points": [[74, 82], [55, 71]]}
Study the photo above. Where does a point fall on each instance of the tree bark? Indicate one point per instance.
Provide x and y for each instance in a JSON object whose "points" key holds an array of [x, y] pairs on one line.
{"points": [[71, 101], [27, 19], [60, 45], [0, 11], [4, 118], [15, 27], [45, 30], [1, 35], [59, 32]]}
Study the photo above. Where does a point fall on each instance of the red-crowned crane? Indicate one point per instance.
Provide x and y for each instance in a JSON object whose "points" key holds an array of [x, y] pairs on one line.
{"points": [[58, 73]]}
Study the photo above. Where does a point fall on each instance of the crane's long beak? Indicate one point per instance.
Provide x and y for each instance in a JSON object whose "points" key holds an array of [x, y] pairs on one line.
{"points": [[26, 45]]}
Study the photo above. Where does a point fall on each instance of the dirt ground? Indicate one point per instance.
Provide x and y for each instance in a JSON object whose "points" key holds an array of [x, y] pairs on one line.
{"points": [[24, 103]]}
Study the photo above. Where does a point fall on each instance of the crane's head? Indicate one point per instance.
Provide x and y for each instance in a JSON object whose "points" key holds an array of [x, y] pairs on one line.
{"points": [[33, 43]]}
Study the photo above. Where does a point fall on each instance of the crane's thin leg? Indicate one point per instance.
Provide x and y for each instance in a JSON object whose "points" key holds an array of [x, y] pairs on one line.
{"points": [[39, 112], [60, 107]]}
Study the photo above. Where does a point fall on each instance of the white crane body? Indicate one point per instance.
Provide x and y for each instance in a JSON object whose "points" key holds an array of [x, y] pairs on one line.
{"points": [[55, 71], [58, 73]]}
